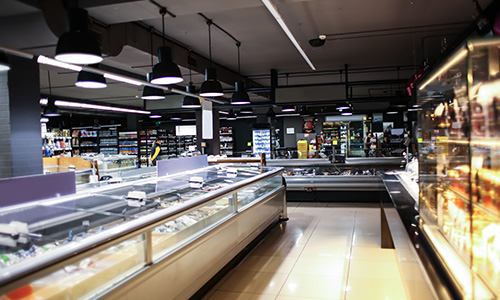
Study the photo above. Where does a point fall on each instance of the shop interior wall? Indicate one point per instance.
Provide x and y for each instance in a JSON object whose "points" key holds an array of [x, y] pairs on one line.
{"points": [[290, 140]]}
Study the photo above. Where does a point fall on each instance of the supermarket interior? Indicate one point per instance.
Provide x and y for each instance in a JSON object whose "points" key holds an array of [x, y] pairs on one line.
{"points": [[235, 149]]}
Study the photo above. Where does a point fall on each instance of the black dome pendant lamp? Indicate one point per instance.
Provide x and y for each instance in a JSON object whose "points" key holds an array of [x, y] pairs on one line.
{"points": [[89, 80], [240, 96], [149, 92], [210, 87], [190, 101], [78, 45], [165, 71], [51, 110]]}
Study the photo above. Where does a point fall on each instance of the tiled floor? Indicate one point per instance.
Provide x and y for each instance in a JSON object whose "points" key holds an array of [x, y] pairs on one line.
{"points": [[325, 251]]}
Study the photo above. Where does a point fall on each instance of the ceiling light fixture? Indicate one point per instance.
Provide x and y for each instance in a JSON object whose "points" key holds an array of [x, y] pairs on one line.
{"points": [[246, 111], [272, 9], [392, 112], [62, 103], [155, 116], [344, 106], [149, 92], [51, 110], [210, 87], [222, 112], [44, 120], [240, 96], [78, 45], [176, 118], [152, 93], [4, 62], [270, 113], [89, 80], [346, 112], [288, 108], [165, 71], [190, 101], [231, 116]]}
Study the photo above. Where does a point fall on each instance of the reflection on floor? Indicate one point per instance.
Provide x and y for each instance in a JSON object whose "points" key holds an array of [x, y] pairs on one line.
{"points": [[325, 251]]}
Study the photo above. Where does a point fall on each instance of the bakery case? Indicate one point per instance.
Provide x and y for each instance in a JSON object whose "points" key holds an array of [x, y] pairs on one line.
{"points": [[459, 160], [156, 238]]}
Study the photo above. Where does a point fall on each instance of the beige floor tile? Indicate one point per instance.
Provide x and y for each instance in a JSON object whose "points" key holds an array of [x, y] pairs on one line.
{"points": [[282, 248], [208, 295], [374, 269], [411, 271], [377, 254], [274, 264], [417, 290], [220, 295], [321, 266], [365, 240], [330, 252], [298, 298], [374, 230], [375, 289], [329, 240], [314, 286], [312, 204], [333, 231], [254, 282]]}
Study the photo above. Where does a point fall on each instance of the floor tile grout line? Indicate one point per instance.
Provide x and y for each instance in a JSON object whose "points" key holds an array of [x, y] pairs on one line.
{"points": [[350, 256]]}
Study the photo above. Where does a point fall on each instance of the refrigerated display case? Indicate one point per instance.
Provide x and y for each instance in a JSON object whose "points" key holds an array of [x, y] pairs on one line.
{"points": [[120, 241], [459, 161]]}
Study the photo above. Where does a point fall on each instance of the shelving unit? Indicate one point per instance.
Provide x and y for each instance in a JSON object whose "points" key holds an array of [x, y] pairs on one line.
{"points": [[57, 142], [172, 145], [103, 141], [128, 143], [226, 141]]}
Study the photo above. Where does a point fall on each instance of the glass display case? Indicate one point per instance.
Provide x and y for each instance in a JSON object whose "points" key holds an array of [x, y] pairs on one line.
{"points": [[90, 244], [459, 161]]}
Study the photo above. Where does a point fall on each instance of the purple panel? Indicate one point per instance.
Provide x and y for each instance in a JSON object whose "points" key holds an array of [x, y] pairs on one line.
{"points": [[24, 189], [178, 165]]}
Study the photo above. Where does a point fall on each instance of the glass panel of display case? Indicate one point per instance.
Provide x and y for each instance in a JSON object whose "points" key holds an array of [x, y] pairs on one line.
{"points": [[484, 94], [87, 277], [257, 190], [177, 232], [460, 164]]}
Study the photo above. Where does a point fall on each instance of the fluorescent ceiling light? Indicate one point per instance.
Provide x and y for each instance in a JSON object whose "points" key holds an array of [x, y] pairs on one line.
{"points": [[122, 79], [44, 120], [223, 112], [52, 62], [288, 115], [63, 103], [176, 118], [346, 113], [272, 9], [392, 112], [155, 116]]}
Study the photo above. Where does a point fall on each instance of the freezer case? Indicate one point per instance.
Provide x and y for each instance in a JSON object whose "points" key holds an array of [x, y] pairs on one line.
{"points": [[158, 238], [459, 147]]}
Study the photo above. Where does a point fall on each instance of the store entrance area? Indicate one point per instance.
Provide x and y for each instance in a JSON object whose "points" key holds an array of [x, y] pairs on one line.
{"points": [[325, 251]]}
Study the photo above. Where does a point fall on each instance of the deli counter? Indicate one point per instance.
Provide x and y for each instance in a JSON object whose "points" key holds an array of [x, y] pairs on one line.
{"points": [[324, 180], [458, 138], [155, 238]]}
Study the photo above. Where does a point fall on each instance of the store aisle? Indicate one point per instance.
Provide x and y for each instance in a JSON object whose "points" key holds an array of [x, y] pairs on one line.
{"points": [[325, 251]]}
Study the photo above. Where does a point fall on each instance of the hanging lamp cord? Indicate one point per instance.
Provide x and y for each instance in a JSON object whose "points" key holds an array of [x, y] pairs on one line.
{"points": [[189, 64], [163, 11], [209, 23], [151, 31], [238, 44], [50, 85]]}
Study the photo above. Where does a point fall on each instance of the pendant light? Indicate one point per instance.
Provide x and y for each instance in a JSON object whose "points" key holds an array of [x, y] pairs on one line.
{"points": [[89, 80], [270, 113], [149, 92], [343, 106], [231, 116], [51, 110], [346, 112], [288, 108], [165, 71], [190, 101], [78, 45], [210, 87], [246, 111], [240, 96], [4, 62]]}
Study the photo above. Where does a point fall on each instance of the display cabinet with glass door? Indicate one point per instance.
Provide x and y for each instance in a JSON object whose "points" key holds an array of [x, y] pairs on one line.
{"points": [[459, 160]]}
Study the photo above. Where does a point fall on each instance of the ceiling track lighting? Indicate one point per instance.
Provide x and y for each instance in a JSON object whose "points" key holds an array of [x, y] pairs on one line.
{"points": [[165, 71], [346, 112], [210, 87], [78, 45], [89, 80], [231, 116], [79, 105], [4, 62], [240, 96]]}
